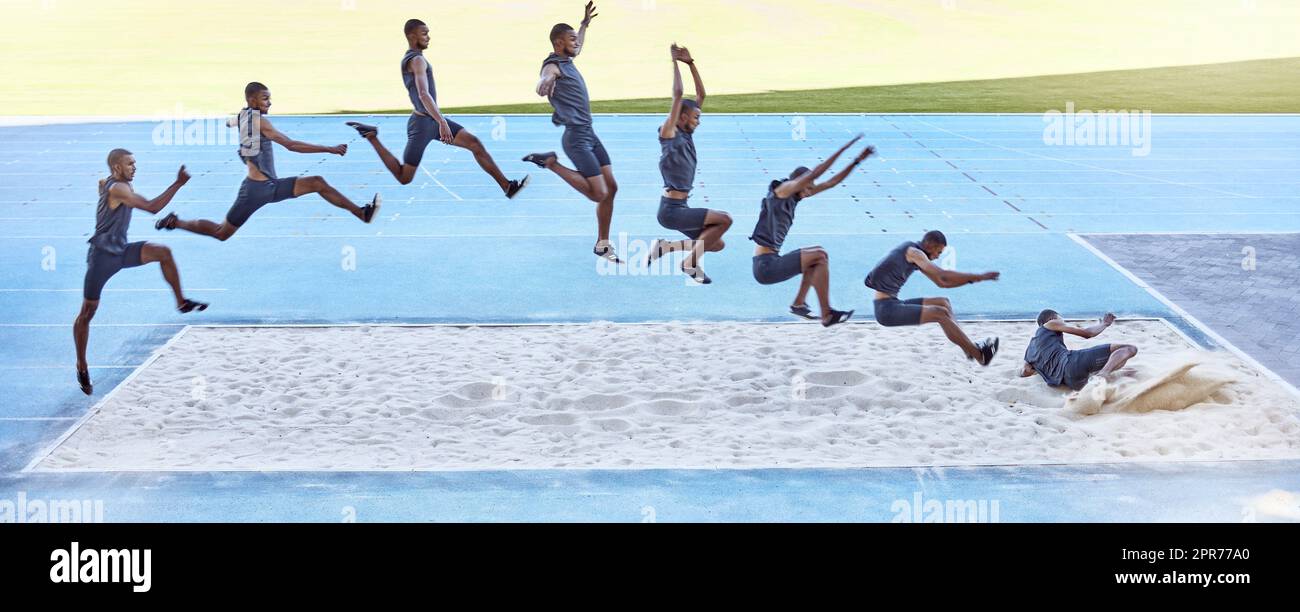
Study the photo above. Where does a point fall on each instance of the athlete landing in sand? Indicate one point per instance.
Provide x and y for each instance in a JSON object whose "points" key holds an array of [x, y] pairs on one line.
{"points": [[427, 122], [262, 186], [563, 86], [888, 277], [677, 159], [110, 252], [1059, 366]]}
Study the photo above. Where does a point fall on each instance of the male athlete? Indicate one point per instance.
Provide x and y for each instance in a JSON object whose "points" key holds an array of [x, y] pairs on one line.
{"points": [[774, 221], [262, 186], [564, 87], [888, 277], [427, 122], [110, 252], [1059, 366], [703, 227]]}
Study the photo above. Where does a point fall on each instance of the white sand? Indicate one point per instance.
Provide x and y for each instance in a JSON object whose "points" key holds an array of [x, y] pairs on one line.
{"points": [[639, 396]]}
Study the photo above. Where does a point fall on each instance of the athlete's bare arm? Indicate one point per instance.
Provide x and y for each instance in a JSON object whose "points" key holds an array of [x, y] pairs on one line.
{"points": [[1091, 331], [842, 174], [122, 194], [417, 66], [683, 55], [669, 128], [946, 279], [297, 146], [588, 14], [793, 186], [546, 84]]}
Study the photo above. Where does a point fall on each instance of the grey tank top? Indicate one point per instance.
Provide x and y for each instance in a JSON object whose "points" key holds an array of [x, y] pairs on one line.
{"points": [[775, 219], [1047, 353], [252, 146], [569, 99], [677, 161], [110, 224], [891, 273], [408, 79]]}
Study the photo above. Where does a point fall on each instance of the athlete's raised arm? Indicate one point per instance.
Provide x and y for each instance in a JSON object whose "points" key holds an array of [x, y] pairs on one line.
{"points": [[683, 55], [588, 14], [793, 186], [123, 193], [669, 128], [842, 174]]}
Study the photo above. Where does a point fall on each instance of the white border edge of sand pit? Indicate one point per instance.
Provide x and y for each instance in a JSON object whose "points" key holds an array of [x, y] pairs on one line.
{"points": [[158, 352], [85, 418], [1186, 316]]}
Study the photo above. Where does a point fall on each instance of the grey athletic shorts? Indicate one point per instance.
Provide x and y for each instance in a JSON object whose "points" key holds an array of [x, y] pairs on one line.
{"points": [[256, 194], [101, 266], [676, 215], [771, 268], [1081, 364], [893, 312], [585, 150], [420, 131]]}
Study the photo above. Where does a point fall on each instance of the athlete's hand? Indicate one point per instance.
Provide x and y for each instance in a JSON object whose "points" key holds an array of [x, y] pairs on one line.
{"points": [[990, 276], [867, 152], [182, 176], [339, 150], [444, 132], [589, 14], [1108, 319], [851, 143], [682, 54]]}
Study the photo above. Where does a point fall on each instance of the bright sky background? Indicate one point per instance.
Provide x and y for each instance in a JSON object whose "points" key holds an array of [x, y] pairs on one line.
{"points": [[132, 57]]}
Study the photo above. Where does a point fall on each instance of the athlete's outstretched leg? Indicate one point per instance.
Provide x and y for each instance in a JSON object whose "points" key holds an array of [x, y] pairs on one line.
{"points": [[592, 188], [403, 172], [315, 184], [943, 316], [466, 140], [221, 231]]}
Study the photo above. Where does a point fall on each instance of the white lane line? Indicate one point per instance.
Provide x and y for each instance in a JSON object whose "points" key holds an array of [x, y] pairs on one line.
{"points": [[23, 419], [105, 290], [60, 367], [40, 456], [435, 179], [1097, 168], [1186, 316], [97, 325]]}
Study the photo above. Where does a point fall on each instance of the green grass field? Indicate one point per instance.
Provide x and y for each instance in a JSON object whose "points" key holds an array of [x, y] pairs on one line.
{"points": [[165, 59], [1262, 86]]}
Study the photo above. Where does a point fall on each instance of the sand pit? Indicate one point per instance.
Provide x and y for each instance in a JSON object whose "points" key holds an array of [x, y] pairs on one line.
{"points": [[732, 395]]}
